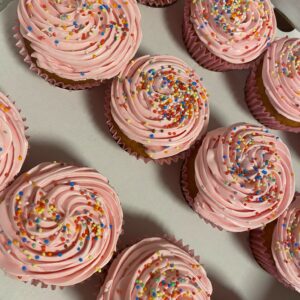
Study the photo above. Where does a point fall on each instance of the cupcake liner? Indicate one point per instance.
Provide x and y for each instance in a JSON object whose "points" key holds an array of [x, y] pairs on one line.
{"points": [[157, 3], [42, 285], [199, 51], [184, 183], [180, 244], [256, 106], [115, 134], [33, 67], [263, 255]]}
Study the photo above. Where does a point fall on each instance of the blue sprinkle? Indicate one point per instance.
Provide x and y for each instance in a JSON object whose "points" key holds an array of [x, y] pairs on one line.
{"points": [[151, 135], [21, 193], [46, 242], [24, 268], [72, 183], [59, 254], [80, 259], [56, 42], [9, 242], [24, 240], [29, 28], [37, 257]]}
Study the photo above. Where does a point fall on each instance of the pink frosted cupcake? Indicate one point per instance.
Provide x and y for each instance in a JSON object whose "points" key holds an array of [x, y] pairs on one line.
{"points": [[273, 86], [13, 141], [59, 225], [240, 178], [228, 35], [157, 108], [276, 247], [155, 268], [78, 44], [157, 3]]}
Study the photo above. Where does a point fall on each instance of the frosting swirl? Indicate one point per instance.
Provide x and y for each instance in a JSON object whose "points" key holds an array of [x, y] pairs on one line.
{"points": [[244, 177], [13, 141], [286, 244], [155, 269], [281, 77], [81, 40], [59, 224], [237, 31], [160, 103]]}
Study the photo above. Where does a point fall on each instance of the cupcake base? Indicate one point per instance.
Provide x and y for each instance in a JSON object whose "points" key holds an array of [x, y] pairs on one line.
{"points": [[157, 3], [199, 51], [130, 146], [26, 51], [188, 185], [261, 246], [260, 106]]}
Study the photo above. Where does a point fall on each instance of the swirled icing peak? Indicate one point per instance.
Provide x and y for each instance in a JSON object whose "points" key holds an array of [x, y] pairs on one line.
{"points": [[59, 224], [78, 39], [244, 177], [160, 103], [286, 244], [281, 77], [13, 141], [155, 269], [238, 31]]}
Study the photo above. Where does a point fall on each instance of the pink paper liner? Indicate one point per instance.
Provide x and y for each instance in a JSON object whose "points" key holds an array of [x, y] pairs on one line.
{"points": [[42, 285], [157, 3], [185, 188], [263, 256], [117, 138], [33, 67], [256, 106], [199, 51]]}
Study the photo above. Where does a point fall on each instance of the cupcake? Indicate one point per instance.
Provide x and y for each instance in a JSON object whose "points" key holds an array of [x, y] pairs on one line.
{"points": [[13, 141], [273, 86], [78, 44], [157, 3], [228, 35], [240, 178], [155, 268], [59, 225], [276, 247], [157, 108]]}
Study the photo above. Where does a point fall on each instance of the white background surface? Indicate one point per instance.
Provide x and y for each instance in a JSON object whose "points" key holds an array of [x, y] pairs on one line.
{"points": [[70, 127]]}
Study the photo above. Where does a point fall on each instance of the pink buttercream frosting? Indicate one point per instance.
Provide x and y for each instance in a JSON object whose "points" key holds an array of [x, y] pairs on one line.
{"points": [[154, 268], [59, 224], [81, 40], [244, 177], [237, 31], [159, 102], [13, 141], [286, 245], [281, 77]]}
